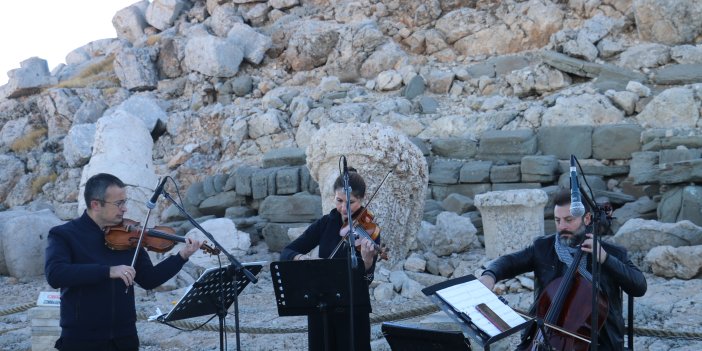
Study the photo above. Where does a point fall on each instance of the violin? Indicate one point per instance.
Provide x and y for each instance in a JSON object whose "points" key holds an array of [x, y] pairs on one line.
{"points": [[159, 239], [566, 303], [364, 226]]}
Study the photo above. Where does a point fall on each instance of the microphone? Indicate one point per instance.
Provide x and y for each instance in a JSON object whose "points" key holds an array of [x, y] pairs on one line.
{"points": [[576, 205], [159, 189]]}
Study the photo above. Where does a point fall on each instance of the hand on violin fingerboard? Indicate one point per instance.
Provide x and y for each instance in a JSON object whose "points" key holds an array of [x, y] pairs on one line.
{"points": [[368, 252], [191, 245]]}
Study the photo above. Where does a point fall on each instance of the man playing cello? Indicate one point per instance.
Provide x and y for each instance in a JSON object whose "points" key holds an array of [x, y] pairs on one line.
{"points": [[549, 257]]}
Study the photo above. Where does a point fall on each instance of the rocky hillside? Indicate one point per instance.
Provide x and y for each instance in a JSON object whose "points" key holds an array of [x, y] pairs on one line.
{"points": [[495, 94]]}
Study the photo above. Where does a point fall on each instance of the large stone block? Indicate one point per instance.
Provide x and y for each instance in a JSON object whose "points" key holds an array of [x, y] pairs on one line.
{"points": [[511, 219], [616, 142], [374, 150], [475, 172], [445, 171], [563, 141], [300, 207], [507, 145]]}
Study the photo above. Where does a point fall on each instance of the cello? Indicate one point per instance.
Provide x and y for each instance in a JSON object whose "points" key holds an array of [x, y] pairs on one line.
{"points": [[566, 304]]}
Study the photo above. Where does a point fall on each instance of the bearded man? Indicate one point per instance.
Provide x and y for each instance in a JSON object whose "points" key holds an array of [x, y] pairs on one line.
{"points": [[550, 256]]}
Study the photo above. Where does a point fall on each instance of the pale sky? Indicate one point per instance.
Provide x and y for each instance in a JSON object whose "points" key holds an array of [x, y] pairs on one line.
{"points": [[50, 29]]}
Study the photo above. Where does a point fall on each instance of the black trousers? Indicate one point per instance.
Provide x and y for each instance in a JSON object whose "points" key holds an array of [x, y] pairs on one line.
{"points": [[337, 328], [127, 343]]}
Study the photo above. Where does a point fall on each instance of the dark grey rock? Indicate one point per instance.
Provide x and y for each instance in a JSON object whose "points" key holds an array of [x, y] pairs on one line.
{"points": [[414, 88], [469, 190], [475, 172], [616, 142], [678, 74], [217, 205], [445, 171], [455, 147], [458, 203], [260, 183], [643, 168], [507, 145], [290, 156], [301, 207], [563, 141], [478, 70], [287, 181], [427, 105], [514, 186], [422, 145], [219, 181], [208, 186], [239, 212], [678, 155], [505, 174], [681, 203], [506, 64], [540, 169], [242, 85], [242, 178], [276, 234]]}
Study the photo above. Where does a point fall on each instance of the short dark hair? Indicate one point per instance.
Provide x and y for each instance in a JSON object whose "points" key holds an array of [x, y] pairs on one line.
{"points": [[96, 186], [562, 198], [356, 182]]}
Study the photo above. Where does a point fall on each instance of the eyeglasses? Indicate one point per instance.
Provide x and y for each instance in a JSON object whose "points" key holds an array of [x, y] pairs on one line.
{"points": [[119, 204]]}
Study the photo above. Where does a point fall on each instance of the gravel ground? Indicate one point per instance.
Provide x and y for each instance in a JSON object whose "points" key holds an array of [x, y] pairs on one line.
{"points": [[669, 304]]}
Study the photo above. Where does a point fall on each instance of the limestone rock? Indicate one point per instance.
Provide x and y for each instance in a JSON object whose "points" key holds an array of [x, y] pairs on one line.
{"points": [[640, 235], [374, 150], [123, 147], [672, 107]]}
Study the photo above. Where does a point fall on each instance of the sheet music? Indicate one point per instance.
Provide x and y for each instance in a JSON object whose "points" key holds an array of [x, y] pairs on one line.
{"points": [[465, 296]]}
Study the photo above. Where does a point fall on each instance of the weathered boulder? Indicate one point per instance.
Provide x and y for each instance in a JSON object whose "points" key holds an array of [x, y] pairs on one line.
{"points": [[640, 235], [374, 150], [213, 56], [130, 23], [123, 147], [672, 107], [30, 229], [675, 262], [511, 219], [451, 234], [225, 233], [668, 21], [77, 145]]}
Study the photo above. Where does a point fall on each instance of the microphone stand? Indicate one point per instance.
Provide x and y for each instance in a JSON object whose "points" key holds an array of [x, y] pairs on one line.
{"points": [[238, 267], [599, 215], [352, 259]]}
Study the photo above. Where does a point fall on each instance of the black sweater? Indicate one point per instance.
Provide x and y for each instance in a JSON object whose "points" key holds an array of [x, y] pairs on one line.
{"points": [[94, 306]]}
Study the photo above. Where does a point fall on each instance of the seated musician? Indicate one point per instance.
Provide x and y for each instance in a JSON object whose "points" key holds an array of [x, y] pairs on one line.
{"points": [[549, 256], [327, 233]]}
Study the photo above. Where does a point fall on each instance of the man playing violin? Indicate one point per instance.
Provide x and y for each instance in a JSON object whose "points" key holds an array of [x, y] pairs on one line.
{"points": [[97, 312], [327, 232], [549, 256]]}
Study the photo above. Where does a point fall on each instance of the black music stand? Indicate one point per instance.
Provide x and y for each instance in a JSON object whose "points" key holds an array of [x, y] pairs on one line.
{"points": [[312, 287], [410, 338], [213, 293]]}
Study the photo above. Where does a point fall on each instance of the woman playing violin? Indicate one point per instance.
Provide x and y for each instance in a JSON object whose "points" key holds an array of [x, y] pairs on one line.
{"points": [[326, 233], [96, 311]]}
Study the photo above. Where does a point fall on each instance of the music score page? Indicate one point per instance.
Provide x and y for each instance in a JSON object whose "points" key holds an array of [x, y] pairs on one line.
{"points": [[466, 296]]}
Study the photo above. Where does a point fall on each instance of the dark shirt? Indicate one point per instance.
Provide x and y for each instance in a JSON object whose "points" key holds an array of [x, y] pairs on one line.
{"points": [[93, 305], [325, 233], [618, 274]]}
